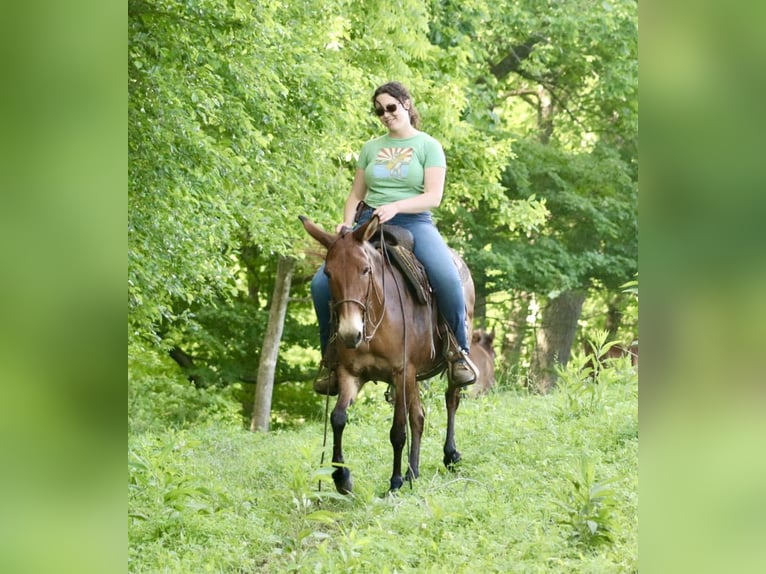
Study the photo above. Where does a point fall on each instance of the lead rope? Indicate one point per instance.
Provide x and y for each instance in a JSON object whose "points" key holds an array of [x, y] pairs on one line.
{"points": [[326, 405], [324, 438]]}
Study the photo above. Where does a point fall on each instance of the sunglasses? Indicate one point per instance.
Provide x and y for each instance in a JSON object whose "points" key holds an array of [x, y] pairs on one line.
{"points": [[390, 108]]}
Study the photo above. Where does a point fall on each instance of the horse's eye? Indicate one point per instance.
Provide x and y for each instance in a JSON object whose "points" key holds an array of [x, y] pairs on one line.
{"points": [[366, 271], [327, 273]]}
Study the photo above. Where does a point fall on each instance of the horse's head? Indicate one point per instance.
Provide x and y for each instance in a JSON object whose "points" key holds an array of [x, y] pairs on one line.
{"points": [[483, 355], [348, 267], [483, 339]]}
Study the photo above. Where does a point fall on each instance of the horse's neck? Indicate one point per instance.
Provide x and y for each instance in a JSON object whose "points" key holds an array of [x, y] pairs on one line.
{"points": [[382, 278]]}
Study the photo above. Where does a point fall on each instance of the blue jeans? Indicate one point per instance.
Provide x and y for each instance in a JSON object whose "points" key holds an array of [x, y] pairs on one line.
{"points": [[433, 253]]}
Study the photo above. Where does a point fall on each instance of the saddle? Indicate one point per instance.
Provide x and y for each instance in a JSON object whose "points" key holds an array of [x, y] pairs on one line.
{"points": [[399, 244]]}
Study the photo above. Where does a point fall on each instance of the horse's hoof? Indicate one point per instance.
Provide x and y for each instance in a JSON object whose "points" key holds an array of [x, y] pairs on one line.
{"points": [[451, 459], [346, 487], [344, 484], [396, 484]]}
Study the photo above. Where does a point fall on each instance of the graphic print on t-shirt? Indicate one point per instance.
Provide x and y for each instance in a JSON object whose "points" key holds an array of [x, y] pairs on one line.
{"points": [[393, 162]]}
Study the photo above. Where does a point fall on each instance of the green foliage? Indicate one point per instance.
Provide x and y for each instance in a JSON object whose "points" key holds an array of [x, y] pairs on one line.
{"points": [[589, 507], [630, 287], [243, 115], [580, 394], [223, 98], [294, 403], [601, 311], [583, 55], [585, 379], [560, 82], [592, 234], [157, 470], [251, 501], [159, 397]]}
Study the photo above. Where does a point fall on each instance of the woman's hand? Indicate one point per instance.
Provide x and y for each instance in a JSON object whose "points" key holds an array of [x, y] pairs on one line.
{"points": [[386, 212]]}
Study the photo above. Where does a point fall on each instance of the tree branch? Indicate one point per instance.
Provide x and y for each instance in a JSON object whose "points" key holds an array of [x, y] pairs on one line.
{"points": [[512, 63], [186, 362], [516, 55]]}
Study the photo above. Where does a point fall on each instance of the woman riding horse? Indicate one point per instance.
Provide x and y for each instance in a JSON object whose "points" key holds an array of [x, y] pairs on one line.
{"points": [[399, 178]]}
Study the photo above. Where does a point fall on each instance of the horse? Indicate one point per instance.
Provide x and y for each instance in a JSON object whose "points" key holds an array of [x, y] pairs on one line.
{"points": [[483, 356], [384, 334], [616, 351]]}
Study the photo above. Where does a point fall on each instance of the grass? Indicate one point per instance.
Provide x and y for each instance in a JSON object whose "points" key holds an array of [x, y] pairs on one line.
{"points": [[542, 488]]}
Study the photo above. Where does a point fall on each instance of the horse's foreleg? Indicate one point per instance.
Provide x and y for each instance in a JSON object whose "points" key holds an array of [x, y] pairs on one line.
{"points": [[417, 418], [341, 475], [452, 399], [398, 434]]}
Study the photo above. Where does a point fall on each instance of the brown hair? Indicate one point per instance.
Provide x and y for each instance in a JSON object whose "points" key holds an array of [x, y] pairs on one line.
{"points": [[398, 91]]}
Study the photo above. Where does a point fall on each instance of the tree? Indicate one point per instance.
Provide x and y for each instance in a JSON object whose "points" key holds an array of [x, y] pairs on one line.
{"points": [[242, 116], [561, 80], [268, 363]]}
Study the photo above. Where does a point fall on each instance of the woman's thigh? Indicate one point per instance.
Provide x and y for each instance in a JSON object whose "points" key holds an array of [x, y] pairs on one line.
{"points": [[432, 251]]}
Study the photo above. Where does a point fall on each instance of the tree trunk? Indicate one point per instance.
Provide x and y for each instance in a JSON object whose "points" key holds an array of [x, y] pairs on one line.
{"points": [[517, 330], [265, 383], [555, 336], [614, 318], [545, 115], [479, 311], [513, 59]]}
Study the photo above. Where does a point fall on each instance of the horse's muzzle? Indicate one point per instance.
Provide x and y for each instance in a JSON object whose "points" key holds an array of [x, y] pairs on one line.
{"points": [[351, 340], [351, 328]]}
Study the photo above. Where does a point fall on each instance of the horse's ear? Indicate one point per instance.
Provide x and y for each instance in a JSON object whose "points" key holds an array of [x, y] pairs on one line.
{"points": [[317, 232], [366, 231]]}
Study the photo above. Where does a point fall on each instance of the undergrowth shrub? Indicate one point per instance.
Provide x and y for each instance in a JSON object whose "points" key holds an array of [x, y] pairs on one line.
{"points": [[588, 506], [160, 397], [533, 493], [158, 469], [585, 379]]}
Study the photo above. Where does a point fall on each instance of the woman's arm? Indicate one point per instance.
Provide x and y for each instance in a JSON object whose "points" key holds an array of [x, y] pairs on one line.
{"points": [[433, 190], [358, 192]]}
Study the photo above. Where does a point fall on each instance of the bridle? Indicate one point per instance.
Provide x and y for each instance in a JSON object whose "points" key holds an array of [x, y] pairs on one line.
{"points": [[367, 319]]}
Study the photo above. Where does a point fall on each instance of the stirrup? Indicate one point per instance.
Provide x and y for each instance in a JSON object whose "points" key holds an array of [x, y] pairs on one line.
{"points": [[462, 371]]}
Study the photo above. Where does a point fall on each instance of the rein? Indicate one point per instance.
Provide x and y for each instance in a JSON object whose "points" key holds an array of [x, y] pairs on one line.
{"points": [[387, 261]]}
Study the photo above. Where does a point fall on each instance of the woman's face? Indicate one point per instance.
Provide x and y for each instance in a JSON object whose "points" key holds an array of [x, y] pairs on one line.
{"points": [[392, 112]]}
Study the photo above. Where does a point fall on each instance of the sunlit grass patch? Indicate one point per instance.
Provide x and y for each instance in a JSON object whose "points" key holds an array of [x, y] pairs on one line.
{"points": [[217, 497]]}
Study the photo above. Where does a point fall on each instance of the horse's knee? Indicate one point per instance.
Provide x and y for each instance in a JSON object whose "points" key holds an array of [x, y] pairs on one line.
{"points": [[452, 397], [338, 419], [397, 436], [418, 420]]}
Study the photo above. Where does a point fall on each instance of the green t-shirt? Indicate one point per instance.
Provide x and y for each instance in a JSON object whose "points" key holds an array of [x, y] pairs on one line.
{"points": [[394, 169]]}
